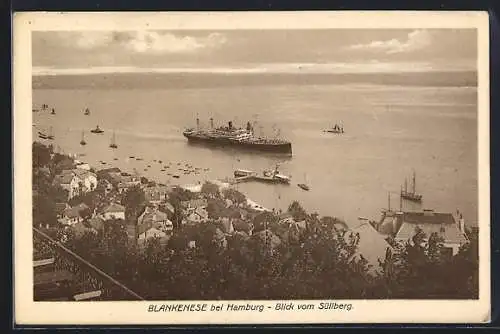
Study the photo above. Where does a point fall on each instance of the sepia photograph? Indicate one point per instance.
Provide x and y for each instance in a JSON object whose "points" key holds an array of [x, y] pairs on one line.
{"points": [[227, 165]]}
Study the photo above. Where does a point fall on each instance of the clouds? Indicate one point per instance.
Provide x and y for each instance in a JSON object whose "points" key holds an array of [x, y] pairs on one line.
{"points": [[416, 40], [140, 41], [155, 42], [331, 50]]}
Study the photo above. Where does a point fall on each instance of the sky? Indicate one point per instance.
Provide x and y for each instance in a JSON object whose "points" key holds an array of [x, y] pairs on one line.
{"points": [[255, 51]]}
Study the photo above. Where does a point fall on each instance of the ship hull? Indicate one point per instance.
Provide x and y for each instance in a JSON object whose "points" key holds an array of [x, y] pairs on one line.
{"points": [[222, 142]]}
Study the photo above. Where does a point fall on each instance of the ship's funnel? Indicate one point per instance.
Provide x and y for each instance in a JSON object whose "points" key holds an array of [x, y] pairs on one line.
{"points": [[211, 122], [249, 126], [198, 123], [230, 124]]}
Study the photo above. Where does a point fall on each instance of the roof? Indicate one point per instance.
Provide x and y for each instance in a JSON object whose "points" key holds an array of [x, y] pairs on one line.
{"points": [[60, 207], [449, 232], [114, 207], [372, 245], [428, 218], [65, 177], [152, 216], [75, 211], [194, 203], [82, 173]]}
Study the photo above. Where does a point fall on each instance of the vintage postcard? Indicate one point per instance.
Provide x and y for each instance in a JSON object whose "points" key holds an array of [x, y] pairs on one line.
{"points": [[251, 168]]}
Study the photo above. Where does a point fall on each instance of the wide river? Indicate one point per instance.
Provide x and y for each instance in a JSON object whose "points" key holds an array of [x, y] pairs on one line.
{"points": [[390, 131]]}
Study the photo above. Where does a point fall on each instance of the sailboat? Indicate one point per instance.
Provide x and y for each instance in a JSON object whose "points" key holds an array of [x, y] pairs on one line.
{"points": [[337, 129], [50, 135], [86, 112], [113, 142], [411, 195], [83, 142], [303, 186]]}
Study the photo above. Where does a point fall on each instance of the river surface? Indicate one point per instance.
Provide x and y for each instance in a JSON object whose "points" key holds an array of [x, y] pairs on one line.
{"points": [[390, 131]]}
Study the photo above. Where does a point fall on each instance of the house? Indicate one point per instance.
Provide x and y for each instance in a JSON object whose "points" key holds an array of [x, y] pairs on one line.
{"points": [[149, 233], [155, 218], [82, 165], [70, 182], [153, 223], [89, 179], [195, 216], [445, 225], [74, 215], [168, 209], [194, 204], [195, 211], [372, 245], [113, 211], [156, 194], [60, 208], [123, 186]]}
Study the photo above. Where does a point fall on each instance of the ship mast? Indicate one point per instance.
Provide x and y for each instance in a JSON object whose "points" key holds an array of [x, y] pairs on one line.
{"points": [[406, 185], [389, 201], [401, 199], [414, 182]]}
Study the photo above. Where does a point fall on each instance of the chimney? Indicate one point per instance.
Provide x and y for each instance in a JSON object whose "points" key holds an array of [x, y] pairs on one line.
{"points": [[197, 123], [230, 124], [461, 224], [211, 122]]}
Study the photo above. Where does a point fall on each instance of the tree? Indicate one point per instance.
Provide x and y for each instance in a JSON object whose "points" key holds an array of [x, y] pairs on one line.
{"points": [[297, 211], [41, 155], [215, 208], [234, 195], [44, 211], [133, 200], [210, 190]]}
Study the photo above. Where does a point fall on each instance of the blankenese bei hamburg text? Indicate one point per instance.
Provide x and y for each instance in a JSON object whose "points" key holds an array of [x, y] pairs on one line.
{"points": [[231, 307]]}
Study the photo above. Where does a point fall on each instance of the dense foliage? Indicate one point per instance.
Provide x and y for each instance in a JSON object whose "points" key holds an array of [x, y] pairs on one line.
{"points": [[316, 260]]}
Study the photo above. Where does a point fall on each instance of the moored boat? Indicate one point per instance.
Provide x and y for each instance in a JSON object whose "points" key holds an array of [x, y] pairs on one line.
{"points": [[411, 195], [113, 142], [337, 129], [83, 142], [97, 130], [303, 186]]}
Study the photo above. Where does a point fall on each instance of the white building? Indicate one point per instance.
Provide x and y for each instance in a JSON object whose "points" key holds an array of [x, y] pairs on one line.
{"points": [[114, 211]]}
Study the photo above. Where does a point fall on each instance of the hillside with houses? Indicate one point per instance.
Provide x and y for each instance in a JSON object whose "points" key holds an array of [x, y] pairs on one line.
{"points": [[212, 242]]}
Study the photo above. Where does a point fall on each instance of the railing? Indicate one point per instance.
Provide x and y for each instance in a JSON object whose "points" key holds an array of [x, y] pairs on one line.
{"points": [[89, 277]]}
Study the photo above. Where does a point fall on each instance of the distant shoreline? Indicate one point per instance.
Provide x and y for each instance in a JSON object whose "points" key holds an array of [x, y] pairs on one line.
{"points": [[214, 80]]}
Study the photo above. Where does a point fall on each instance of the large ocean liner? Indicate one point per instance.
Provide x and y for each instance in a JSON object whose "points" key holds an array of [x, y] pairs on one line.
{"points": [[236, 137]]}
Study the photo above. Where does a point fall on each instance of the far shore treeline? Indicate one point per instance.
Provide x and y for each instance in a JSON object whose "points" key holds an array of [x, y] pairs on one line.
{"points": [[214, 80], [320, 261]]}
